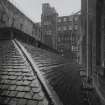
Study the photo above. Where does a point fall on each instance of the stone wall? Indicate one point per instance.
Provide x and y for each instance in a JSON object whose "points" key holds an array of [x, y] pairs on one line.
{"points": [[10, 16], [49, 25], [88, 34]]}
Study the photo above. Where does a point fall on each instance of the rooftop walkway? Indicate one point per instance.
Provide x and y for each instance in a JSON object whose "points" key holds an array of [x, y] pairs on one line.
{"points": [[18, 84], [34, 76], [62, 75]]}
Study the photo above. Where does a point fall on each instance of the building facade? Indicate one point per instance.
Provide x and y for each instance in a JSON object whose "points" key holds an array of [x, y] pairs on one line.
{"points": [[68, 34], [64, 30], [61, 32], [88, 28], [93, 43], [49, 25], [12, 17], [37, 31]]}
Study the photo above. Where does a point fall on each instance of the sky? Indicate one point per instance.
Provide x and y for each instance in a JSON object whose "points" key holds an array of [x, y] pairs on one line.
{"points": [[33, 8]]}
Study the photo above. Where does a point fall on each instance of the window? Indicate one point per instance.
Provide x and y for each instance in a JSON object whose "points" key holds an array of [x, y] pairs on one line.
{"points": [[64, 38], [70, 19], [72, 48], [49, 32], [58, 39], [70, 27], [65, 19], [67, 46], [5, 18], [64, 28], [46, 23], [59, 20], [76, 27], [68, 38], [61, 38], [76, 18], [59, 28]]}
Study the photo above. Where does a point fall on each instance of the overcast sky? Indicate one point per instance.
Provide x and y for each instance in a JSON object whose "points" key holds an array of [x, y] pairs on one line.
{"points": [[33, 8]]}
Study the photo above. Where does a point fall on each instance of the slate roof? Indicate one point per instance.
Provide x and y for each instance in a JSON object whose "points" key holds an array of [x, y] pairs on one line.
{"points": [[63, 75], [18, 84]]}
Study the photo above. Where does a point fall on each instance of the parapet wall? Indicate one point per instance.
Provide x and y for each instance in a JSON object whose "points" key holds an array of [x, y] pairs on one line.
{"points": [[10, 16]]}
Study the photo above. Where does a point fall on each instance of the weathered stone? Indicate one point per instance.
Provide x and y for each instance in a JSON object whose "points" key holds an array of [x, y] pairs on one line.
{"points": [[5, 77], [6, 81], [5, 93], [36, 89], [12, 77], [19, 78], [12, 93], [18, 73], [19, 82], [13, 101], [22, 102], [2, 99], [11, 73], [37, 96], [30, 78], [28, 95], [12, 87], [15, 83], [27, 89], [35, 83], [1, 86], [2, 81], [32, 102], [20, 94], [12, 82], [6, 101], [43, 102], [26, 82], [20, 88], [5, 86]]}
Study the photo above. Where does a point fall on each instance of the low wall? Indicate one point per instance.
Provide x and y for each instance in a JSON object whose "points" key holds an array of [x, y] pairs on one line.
{"points": [[12, 33]]}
